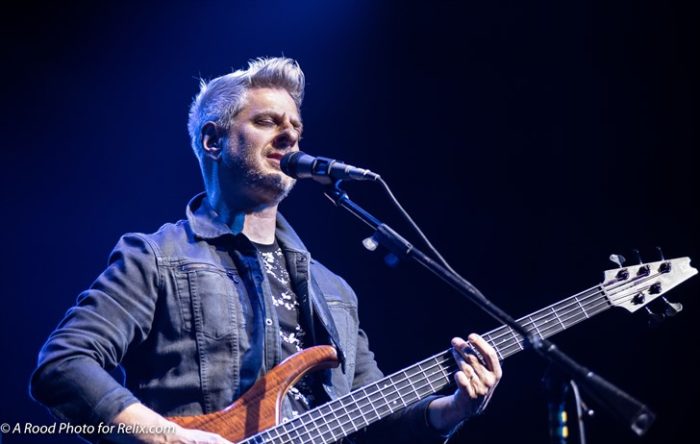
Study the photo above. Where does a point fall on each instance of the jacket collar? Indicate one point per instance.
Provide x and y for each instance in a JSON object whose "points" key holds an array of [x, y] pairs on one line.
{"points": [[206, 224]]}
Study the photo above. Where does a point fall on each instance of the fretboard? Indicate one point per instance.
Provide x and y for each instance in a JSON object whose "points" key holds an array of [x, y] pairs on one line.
{"points": [[364, 406]]}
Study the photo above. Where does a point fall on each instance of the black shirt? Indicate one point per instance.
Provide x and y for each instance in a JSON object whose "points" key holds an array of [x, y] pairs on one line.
{"points": [[292, 334]]}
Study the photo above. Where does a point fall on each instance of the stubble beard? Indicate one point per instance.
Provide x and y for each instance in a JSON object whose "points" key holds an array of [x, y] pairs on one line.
{"points": [[266, 188]]}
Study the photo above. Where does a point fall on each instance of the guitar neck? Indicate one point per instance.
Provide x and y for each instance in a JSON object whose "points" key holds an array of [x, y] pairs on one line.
{"points": [[549, 320], [362, 407]]}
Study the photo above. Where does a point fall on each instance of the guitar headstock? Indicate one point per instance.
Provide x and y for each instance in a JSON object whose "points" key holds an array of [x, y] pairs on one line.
{"points": [[635, 286]]}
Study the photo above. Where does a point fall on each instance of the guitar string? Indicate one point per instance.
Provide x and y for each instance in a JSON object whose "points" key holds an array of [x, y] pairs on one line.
{"points": [[440, 364], [598, 305], [592, 308], [381, 390], [367, 397], [571, 303], [350, 416], [599, 302], [574, 300]]}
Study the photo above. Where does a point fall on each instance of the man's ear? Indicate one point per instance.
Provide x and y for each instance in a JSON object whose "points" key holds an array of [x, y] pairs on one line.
{"points": [[212, 140]]}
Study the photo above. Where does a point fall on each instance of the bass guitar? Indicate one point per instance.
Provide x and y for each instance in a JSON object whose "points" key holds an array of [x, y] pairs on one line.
{"points": [[255, 416]]}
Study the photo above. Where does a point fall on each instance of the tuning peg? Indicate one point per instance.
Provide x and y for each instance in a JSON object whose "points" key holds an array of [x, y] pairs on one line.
{"points": [[661, 253], [671, 308], [665, 267], [655, 319], [639, 298], [617, 259], [637, 256]]}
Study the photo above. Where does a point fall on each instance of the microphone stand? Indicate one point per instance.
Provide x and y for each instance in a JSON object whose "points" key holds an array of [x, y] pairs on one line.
{"points": [[558, 390], [625, 408]]}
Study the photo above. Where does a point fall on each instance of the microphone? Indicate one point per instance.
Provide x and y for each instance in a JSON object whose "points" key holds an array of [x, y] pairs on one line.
{"points": [[300, 165]]}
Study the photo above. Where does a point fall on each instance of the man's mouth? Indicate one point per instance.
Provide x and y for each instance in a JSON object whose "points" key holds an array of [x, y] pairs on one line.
{"points": [[274, 159]]}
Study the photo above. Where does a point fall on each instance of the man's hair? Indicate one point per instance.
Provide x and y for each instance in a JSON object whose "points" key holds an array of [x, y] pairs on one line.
{"points": [[220, 99]]}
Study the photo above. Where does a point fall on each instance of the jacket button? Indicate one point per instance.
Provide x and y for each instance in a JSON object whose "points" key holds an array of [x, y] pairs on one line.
{"points": [[268, 322]]}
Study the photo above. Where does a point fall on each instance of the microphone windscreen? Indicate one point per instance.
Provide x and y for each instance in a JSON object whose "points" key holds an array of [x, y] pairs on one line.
{"points": [[288, 163]]}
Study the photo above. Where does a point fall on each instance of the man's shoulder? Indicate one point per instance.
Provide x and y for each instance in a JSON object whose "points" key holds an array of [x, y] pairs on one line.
{"points": [[170, 236], [166, 232]]}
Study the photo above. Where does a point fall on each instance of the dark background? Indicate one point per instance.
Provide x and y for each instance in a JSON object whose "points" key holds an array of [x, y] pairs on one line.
{"points": [[529, 139]]}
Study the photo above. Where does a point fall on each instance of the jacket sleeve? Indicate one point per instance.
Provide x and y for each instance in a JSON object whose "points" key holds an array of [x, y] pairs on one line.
{"points": [[409, 425], [72, 377]]}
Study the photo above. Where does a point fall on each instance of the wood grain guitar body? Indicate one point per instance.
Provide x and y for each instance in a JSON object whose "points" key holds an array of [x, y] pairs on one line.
{"points": [[259, 408]]}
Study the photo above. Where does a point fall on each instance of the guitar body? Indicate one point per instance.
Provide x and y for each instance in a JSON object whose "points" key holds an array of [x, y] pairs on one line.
{"points": [[259, 408]]}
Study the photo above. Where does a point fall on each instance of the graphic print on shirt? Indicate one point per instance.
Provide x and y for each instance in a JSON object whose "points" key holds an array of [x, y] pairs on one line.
{"points": [[284, 298], [291, 333]]}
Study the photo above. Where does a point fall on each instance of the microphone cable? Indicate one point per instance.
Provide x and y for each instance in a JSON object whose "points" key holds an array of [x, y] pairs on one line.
{"points": [[415, 226]]}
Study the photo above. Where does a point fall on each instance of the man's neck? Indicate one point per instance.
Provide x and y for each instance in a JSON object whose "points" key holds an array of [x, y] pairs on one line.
{"points": [[258, 226]]}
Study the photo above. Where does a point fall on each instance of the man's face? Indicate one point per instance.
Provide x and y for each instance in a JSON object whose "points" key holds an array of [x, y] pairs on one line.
{"points": [[267, 127]]}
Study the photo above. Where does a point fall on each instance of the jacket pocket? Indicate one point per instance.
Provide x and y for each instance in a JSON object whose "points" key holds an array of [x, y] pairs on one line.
{"points": [[344, 316], [208, 299]]}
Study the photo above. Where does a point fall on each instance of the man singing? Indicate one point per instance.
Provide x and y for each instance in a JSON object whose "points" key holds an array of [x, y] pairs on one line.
{"points": [[196, 312]]}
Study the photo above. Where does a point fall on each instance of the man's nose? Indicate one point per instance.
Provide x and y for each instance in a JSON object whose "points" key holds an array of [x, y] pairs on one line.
{"points": [[286, 139]]}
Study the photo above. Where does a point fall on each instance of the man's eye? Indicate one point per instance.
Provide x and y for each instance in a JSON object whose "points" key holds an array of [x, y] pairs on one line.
{"points": [[265, 122]]}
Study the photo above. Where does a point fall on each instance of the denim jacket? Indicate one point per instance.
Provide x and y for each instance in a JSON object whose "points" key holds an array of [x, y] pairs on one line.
{"points": [[186, 315]]}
